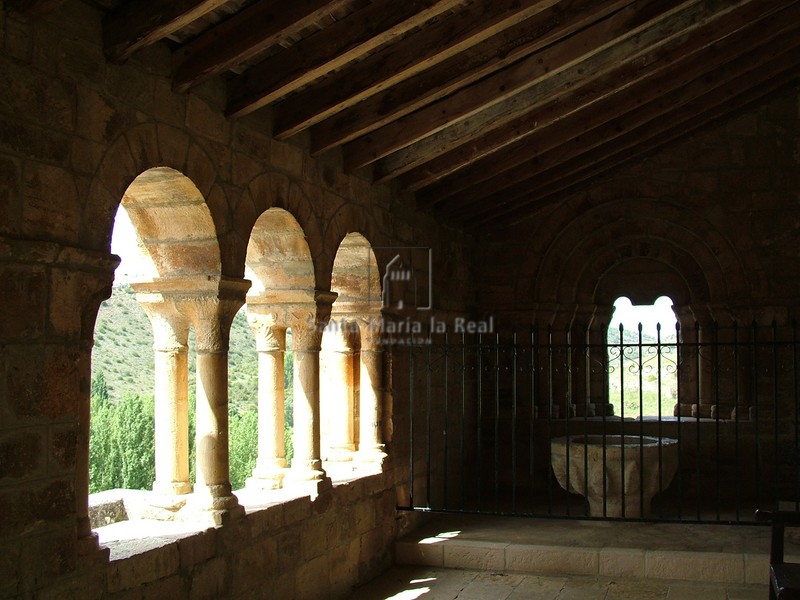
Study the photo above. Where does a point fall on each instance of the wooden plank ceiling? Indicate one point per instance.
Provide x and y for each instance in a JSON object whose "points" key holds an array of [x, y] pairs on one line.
{"points": [[488, 109]]}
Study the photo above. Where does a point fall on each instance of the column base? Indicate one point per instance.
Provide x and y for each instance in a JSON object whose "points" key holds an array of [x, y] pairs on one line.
{"points": [[340, 454], [372, 455], [266, 479], [312, 487], [172, 488], [309, 476], [211, 504], [90, 552]]}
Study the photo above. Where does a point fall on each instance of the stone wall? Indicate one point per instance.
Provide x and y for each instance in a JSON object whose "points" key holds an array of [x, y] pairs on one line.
{"points": [[75, 132], [711, 221]]}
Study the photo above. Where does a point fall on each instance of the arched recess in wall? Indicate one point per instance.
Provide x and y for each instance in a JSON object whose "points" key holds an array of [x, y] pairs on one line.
{"points": [[180, 257], [281, 304], [350, 363], [682, 244]]}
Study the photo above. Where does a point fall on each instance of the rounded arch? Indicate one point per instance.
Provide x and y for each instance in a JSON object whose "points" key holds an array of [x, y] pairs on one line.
{"points": [[355, 276], [274, 191], [684, 246], [136, 151], [278, 255], [173, 224], [347, 219]]}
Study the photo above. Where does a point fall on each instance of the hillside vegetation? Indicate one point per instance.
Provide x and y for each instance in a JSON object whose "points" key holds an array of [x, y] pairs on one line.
{"points": [[123, 352], [122, 447]]}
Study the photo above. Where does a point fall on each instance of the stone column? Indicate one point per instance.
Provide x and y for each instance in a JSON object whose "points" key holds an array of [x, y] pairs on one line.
{"points": [[370, 446], [171, 392], [307, 328], [212, 315], [307, 462], [598, 360], [271, 345], [337, 383]]}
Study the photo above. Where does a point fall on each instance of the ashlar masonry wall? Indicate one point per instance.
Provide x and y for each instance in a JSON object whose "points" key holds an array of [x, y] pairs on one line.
{"points": [[710, 221], [75, 132]]}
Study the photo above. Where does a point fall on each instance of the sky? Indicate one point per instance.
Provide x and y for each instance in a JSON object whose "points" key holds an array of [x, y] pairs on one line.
{"points": [[649, 316], [134, 266]]}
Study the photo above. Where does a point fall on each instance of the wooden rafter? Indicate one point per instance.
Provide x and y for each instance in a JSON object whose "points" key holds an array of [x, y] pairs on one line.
{"points": [[397, 62], [467, 67], [692, 57], [139, 24], [330, 49], [469, 164], [484, 108], [660, 33], [637, 142], [237, 40]]}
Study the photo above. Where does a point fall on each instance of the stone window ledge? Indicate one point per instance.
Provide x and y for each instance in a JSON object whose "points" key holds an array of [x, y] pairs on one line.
{"points": [[131, 522]]}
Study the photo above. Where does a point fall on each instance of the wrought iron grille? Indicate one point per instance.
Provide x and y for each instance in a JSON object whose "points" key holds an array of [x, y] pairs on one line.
{"points": [[698, 425]]}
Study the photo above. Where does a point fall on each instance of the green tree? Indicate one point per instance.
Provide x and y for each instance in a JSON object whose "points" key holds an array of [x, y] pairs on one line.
{"points": [[122, 444], [243, 446], [99, 388]]}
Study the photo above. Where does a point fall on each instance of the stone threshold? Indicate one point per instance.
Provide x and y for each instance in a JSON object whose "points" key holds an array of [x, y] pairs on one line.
{"points": [[727, 554]]}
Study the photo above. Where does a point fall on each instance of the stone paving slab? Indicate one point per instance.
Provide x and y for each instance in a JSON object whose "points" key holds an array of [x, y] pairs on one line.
{"points": [[425, 583], [724, 554]]}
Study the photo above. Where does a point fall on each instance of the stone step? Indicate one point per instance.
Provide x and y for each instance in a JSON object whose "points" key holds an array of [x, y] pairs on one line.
{"points": [[725, 554]]}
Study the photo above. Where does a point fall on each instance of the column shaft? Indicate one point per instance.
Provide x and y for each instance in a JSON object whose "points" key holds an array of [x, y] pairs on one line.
{"points": [[172, 421], [306, 463], [370, 437], [212, 429]]}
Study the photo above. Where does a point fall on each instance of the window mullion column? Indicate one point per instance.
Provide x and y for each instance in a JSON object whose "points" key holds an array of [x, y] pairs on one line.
{"points": [[171, 394], [212, 315], [271, 345]]}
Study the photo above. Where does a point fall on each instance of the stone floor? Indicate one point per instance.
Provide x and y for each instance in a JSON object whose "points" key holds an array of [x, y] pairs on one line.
{"points": [[409, 583], [497, 558]]}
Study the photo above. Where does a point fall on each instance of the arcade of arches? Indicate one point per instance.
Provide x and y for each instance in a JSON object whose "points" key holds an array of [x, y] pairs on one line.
{"points": [[231, 217]]}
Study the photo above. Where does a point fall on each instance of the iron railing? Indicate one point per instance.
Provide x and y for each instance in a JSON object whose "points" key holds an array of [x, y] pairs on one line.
{"points": [[485, 414]]}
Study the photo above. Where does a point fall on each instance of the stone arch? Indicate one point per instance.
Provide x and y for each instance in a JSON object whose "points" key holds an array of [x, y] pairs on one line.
{"points": [[350, 218], [278, 255], [355, 276], [173, 224], [139, 149], [683, 243], [275, 191]]}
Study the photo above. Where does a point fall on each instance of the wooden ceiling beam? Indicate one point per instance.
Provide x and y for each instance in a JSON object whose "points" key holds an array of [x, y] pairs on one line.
{"points": [[506, 86], [491, 55], [254, 29], [399, 61], [550, 195], [466, 165], [710, 89], [627, 48], [581, 111], [639, 141], [328, 50], [139, 24]]}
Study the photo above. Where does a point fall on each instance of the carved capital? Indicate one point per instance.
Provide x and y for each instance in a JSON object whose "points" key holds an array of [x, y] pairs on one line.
{"points": [[270, 335], [306, 337], [170, 326], [370, 328]]}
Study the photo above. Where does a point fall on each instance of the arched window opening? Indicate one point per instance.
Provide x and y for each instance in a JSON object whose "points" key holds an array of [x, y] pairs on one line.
{"points": [[642, 359], [153, 435], [122, 443], [281, 305], [351, 358]]}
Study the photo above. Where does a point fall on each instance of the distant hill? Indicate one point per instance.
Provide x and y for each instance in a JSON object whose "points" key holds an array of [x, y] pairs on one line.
{"points": [[123, 351]]}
